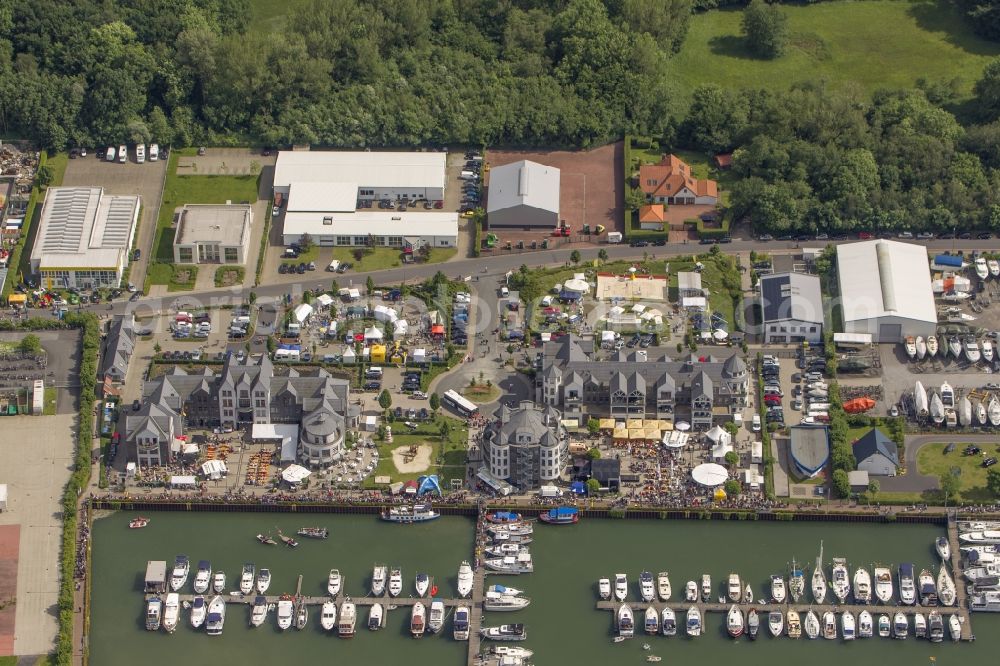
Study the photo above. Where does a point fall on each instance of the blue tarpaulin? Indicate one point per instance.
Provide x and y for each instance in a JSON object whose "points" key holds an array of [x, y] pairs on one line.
{"points": [[948, 260], [578, 487], [429, 484]]}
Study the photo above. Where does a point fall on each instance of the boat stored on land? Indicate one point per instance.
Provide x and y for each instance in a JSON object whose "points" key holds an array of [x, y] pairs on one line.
{"points": [[405, 514]]}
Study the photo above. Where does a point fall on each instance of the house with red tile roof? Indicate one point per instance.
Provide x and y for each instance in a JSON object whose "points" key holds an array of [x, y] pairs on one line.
{"points": [[653, 217], [671, 182]]}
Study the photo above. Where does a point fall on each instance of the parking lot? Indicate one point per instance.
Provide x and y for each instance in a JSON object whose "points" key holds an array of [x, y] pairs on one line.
{"points": [[145, 180], [60, 369]]}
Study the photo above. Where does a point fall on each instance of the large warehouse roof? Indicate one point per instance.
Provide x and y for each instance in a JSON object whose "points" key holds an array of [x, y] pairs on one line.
{"points": [[883, 278], [83, 227], [524, 183], [376, 223], [314, 197], [367, 169]]}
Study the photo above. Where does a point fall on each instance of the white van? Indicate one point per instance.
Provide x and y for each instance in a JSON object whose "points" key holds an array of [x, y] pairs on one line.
{"points": [[110, 154], [140, 153], [374, 372], [755, 424], [122, 153], [468, 175], [334, 265], [154, 152]]}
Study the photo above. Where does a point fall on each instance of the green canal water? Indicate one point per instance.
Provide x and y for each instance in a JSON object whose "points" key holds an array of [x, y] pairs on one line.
{"points": [[563, 626]]}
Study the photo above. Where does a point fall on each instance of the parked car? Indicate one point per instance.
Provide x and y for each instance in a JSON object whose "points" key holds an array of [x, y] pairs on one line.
{"points": [[372, 386]]}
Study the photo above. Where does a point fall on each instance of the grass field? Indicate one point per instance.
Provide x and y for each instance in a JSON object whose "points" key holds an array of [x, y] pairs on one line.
{"points": [[932, 460], [269, 15], [873, 44], [447, 458], [172, 276]]}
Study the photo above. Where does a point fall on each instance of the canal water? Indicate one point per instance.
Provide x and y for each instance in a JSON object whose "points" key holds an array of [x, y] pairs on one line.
{"points": [[563, 626]]}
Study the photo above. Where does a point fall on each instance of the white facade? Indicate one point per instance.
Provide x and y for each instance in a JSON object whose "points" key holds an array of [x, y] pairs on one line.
{"points": [[885, 290], [213, 234], [375, 175], [402, 230], [321, 441], [791, 306]]}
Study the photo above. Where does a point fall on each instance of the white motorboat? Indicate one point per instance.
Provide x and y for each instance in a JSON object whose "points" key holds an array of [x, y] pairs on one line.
{"points": [[395, 582], [422, 584], [980, 554], [945, 587], [502, 549], [884, 626], [883, 584], [263, 580], [518, 564], [927, 588], [796, 582], [511, 529], [775, 623], [865, 625], [987, 349], [504, 589], [651, 621], [734, 621], [504, 537], [219, 582], [910, 345], [334, 582], [955, 346], [847, 626], [379, 576], [986, 601], [932, 346], [466, 578], [154, 613], [286, 612], [693, 624], [862, 586], [418, 620], [935, 627], [943, 548], [734, 589], [748, 594], [981, 537], [663, 586], [829, 626], [216, 617], [328, 616], [604, 588], [778, 592], [811, 625], [993, 411], [818, 579], [179, 574], [706, 587], [921, 347], [258, 611], [937, 408], [982, 575], [907, 587], [947, 395], [375, 619], [978, 525], [794, 623], [621, 586], [668, 622], [459, 623], [496, 601], [980, 412], [199, 611], [919, 626], [348, 619], [971, 347], [691, 591], [964, 411], [994, 267], [920, 399], [171, 612], [435, 621], [840, 580], [646, 589], [203, 577], [900, 626], [626, 622], [510, 652], [982, 268], [508, 632], [301, 614], [954, 627], [247, 578]]}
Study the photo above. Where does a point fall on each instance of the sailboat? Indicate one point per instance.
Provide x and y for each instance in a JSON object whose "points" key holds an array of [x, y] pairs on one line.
{"points": [[811, 625], [920, 399], [932, 346], [965, 412], [947, 396], [937, 408], [972, 349], [987, 348], [819, 578], [982, 270], [945, 587], [796, 582], [910, 345], [921, 347], [993, 411]]}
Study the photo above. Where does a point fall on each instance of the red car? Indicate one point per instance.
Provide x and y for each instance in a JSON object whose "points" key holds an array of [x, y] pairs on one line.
{"points": [[772, 399], [865, 235]]}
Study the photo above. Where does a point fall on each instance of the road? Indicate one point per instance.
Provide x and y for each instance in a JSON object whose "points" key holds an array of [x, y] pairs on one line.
{"points": [[913, 482]]}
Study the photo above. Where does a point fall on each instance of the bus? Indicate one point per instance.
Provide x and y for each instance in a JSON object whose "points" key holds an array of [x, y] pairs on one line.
{"points": [[459, 404]]}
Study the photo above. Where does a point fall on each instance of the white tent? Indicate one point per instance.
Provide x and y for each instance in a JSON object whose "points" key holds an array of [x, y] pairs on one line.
{"points": [[698, 302], [294, 474], [722, 447], [214, 469], [546, 337], [183, 481], [331, 329], [372, 333], [288, 434], [370, 423], [752, 477], [675, 439], [400, 327], [638, 307], [717, 434], [419, 355], [324, 300], [615, 310], [757, 452], [382, 313], [719, 334], [302, 312], [349, 355], [709, 475], [607, 336]]}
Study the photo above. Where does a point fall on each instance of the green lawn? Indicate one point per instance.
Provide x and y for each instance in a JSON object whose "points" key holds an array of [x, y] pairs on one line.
{"points": [[180, 190], [172, 276], [237, 273], [873, 44], [447, 458], [58, 164], [50, 402], [481, 394], [932, 460], [719, 299], [383, 257]]}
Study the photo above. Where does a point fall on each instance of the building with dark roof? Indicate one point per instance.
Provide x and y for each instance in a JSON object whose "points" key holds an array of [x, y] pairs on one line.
{"points": [[876, 453], [526, 445], [791, 306], [118, 347], [810, 449], [607, 472], [634, 384]]}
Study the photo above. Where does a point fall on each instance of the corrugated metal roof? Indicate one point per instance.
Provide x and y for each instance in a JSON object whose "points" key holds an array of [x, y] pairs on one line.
{"points": [[84, 227], [902, 276], [367, 169], [793, 296], [316, 197], [524, 183]]}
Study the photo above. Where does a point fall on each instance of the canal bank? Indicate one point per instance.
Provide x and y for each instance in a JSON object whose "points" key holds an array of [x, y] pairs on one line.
{"points": [[562, 622]]}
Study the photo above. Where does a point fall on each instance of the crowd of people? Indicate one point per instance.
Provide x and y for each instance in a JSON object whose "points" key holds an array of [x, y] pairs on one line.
{"points": [[82, 540]]}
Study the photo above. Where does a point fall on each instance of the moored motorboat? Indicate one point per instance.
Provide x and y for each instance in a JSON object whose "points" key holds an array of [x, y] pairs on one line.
{"points": [[691, 591], [504, 549], [734, 589], [179, 574], [847, 627], [247, 578], [907, 588], [884, 626], [778, 592], [171, 612], [465, 579], [380, 575], [978, 525], [693, 622], [517, 564], [563, 515], [407, 515], [621, 586], [935, 627], [498, 601], [263, 580], [503, 517], [919, 626], [865, 625], [811, 625], [328, 616], [927, 588], [199, 611], [985, 537], [287, 540], [706, 587], [422, 584], [203, 577], [646, 588], [314, 532], [945, 587], [668, 622], [286, 612], [840, 580], [435, 620], [334, 582], [663, 586], [775, 623], [921, 347], [395, 582], [983, 575], [753, 624], [829, 625], [651, 621], [626, 621], [418, 620], [506, 632], [794, 623], [266, 540], [943, 548], [734, 621], [954, 627], [219, 581], [216, 619], [348, 619], [301, 614], [138, 523], [375, 614], [862, 586], [459, 623], [258, 611], [748, 594], [900, 626], [512, 529], [603, 588], [985, 601], [883, 584]]}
